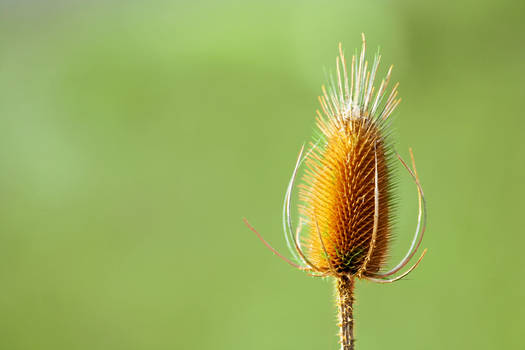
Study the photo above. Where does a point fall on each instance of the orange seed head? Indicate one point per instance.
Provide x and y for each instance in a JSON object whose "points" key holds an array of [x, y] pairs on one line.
{"points": [[346, 191]]}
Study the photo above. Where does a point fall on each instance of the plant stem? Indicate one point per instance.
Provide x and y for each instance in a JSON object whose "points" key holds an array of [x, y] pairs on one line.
{"points": [[345, 294]]}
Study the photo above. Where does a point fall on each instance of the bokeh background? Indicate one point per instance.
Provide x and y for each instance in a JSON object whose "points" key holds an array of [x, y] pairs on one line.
{"points": [[135, 135]]}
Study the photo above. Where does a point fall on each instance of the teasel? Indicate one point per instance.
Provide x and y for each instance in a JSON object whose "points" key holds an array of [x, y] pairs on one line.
{"points": [[347, 191]]}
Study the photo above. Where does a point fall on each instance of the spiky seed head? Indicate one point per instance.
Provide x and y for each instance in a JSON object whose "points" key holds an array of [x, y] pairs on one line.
{"points": [[346, 190]]}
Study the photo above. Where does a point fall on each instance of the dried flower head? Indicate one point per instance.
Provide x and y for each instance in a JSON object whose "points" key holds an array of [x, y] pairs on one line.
{"points": [[346, 193]]}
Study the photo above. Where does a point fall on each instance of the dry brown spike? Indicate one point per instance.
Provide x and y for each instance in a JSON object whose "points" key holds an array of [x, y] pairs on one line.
{"points": [[346, 191]]}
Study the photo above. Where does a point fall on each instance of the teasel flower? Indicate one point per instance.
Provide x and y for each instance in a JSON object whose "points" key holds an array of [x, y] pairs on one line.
{"points": [[347, 194]]}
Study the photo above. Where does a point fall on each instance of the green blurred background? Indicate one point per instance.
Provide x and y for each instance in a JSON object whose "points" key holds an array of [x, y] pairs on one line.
{"points": [[134, 136]]}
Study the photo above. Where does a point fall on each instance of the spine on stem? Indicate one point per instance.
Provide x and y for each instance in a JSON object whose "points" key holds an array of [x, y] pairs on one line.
{"points": [[345, 299]]}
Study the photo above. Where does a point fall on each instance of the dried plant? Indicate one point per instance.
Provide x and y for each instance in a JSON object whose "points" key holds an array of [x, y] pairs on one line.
{"points": [[347, 193]]}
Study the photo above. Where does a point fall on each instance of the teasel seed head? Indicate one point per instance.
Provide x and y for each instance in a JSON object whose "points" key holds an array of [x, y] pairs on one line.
{"points": [[346, 195]]}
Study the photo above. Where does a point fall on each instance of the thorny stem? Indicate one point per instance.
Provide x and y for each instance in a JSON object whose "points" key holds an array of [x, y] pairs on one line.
{"points": [[345, 299]]}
